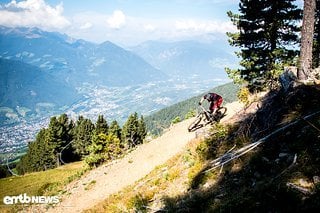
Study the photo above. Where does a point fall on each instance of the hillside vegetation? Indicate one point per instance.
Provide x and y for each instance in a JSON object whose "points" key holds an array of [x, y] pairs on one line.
{"points": [[280, 175]]}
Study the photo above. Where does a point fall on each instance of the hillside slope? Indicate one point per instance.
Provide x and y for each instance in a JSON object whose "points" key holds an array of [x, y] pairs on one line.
{"points": [[19, 80], [279, 175], [100, 183], [27, 91]]}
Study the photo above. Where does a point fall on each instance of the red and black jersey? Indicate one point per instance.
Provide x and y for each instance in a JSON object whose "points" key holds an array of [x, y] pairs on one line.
{"points": [[214, 99]]}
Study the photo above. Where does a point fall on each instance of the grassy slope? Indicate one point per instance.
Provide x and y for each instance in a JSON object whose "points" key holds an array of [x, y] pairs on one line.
{"points": [[257, 182], [49, 182]]}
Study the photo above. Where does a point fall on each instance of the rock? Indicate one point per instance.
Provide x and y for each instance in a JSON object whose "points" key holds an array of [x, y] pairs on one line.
{"points": [[220, 195], [265, 159], [305, 183], [206, 185], [281, 155], [316, 179], [257, 175], [288, 77], [299, 188], [217, 200], [315, 75]]}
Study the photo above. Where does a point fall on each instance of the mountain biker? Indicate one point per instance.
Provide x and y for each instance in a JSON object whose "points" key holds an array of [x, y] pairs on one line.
{"points": [[215, 101]]}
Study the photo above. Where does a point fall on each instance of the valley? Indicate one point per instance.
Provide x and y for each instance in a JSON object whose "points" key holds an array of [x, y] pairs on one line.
{"points": [[115, 103]]}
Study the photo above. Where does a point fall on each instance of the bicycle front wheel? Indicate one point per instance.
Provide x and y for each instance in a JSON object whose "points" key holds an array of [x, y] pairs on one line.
{"points": [[195, 124]]}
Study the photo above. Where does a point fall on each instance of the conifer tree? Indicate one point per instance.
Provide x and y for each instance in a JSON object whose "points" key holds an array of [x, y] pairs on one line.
{"points": [[115, 129], [58, 137], [142, 129], [266, 32], [96, 150], [130, 131], [101, 125], [39, 156], [82, 136], [134, 130], [103, 147]]}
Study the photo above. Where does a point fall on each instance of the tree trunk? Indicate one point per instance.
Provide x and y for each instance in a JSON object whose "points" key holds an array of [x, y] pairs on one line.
{"points": [[307, 32], [58, 159]]}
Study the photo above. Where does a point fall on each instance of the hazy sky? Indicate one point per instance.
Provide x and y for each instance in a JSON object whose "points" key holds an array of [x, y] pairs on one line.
{"points": [[125, 22]]}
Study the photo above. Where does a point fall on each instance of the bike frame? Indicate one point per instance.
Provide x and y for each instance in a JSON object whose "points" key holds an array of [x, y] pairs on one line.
{"points": [[199, 119]]}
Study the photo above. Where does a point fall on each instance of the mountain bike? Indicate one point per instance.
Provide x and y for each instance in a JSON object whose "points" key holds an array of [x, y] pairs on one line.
{"points": [[204, 117]]}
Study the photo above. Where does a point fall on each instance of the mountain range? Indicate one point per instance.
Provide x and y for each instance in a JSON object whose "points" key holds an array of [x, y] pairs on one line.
{"points": [[46, 70], [75, 61], [201, 58]]}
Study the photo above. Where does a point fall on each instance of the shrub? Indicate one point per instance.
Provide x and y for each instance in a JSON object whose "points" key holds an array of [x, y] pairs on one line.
{"points": [[176, 120], [190, 114], [243, 95]]}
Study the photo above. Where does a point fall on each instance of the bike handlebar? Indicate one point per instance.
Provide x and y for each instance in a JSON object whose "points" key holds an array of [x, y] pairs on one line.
{"points": [[203, 109]]}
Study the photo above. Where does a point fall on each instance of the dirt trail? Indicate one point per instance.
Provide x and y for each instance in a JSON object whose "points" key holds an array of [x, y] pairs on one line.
{"points": [[109, 179]]}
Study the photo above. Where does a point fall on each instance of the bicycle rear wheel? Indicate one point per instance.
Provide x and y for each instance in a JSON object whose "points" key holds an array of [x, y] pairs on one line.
{"points": [[221, 112]]}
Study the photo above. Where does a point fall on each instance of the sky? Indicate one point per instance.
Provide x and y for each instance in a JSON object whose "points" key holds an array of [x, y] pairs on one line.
{"points": [[125, 22]]}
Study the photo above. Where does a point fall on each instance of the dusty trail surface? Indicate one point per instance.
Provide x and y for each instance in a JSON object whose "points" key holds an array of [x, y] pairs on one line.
{"points": [[111, 178]]}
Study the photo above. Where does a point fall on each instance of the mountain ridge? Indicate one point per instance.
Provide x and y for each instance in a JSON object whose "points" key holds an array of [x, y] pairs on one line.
{"points": [[181, 58], [29, 87], [73, 59], [70, 63]]}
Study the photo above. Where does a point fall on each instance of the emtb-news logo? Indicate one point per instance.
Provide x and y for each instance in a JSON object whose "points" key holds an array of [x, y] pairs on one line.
{"points": [[25, 199]]}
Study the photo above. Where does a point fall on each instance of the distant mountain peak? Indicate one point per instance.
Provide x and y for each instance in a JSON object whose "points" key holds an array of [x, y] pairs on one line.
{"points": [[108, 45]]}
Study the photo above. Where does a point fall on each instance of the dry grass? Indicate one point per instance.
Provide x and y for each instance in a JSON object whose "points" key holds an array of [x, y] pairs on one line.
{"points": [[49, 182]]}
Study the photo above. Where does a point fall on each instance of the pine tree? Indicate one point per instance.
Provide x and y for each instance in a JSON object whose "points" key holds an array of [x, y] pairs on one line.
{"points": [[39, 155], [134, 130], [82, 136], [41, 152], [115, 129], [103, 148], [96, 149], [59, 137], [101, 125], [142, 129], [266, 31], [130, 131]]}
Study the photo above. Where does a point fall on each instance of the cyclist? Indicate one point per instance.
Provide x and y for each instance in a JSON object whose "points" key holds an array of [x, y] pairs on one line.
{"points": [[215, 101]]}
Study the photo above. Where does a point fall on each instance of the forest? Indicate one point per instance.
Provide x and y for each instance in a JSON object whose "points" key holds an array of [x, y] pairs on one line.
{"points": [[65, 141]]}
